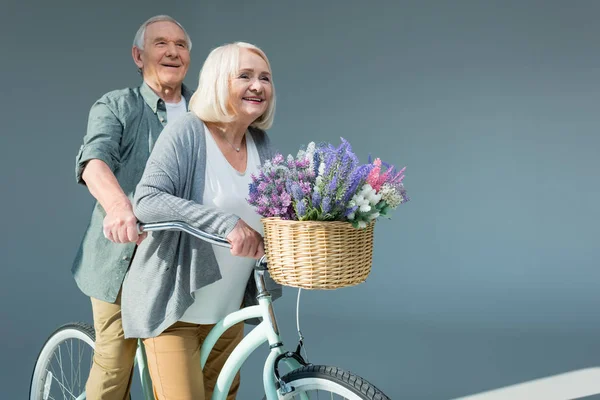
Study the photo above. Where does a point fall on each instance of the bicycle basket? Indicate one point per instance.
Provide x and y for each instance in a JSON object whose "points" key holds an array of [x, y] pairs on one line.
{"points": [[317, 254]]}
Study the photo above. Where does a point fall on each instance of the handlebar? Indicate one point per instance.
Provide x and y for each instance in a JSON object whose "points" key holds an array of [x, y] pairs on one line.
{"points": [[182, 226]]}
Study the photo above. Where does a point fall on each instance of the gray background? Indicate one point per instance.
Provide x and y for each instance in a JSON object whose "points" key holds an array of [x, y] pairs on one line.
{"points": [[488, 277]]}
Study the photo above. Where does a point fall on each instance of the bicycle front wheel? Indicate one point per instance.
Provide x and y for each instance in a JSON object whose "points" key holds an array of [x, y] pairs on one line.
{"points": [[320, 382], [63, 365]]}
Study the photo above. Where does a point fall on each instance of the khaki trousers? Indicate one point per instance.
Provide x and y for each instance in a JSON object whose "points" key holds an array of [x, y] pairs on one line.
{"points": [[112, 367], [174, 361]]}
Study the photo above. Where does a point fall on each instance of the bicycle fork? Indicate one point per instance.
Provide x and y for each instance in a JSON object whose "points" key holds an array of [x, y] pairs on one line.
{"points": [[271, 375]]}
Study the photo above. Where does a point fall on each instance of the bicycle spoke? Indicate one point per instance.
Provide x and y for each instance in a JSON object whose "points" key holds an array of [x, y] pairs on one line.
{"points": [[72, 382], [77, 381], [62, 372], [65, 388], [53, 379], [69, 353], [80, 353], [78, 372], [54, 374]]}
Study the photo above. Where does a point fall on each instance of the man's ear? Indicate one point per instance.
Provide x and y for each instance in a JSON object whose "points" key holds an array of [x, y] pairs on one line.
{"points": [[137, 57]]}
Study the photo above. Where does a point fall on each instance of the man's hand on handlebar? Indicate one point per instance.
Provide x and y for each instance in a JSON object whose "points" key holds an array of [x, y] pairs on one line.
{"points": [[120, 225]]}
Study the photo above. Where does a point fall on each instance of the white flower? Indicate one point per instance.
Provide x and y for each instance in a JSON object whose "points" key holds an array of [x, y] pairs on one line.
{"points": [[391, 196], [310, 154], [370, 194], [360, 200], [374, 215], [375, 198], [362, 224], [365, 189], [351, 216], [321, 168], [364, 208]]}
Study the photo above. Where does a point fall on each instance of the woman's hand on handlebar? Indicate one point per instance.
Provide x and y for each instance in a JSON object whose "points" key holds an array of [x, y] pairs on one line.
{"points": [[245, 241]]}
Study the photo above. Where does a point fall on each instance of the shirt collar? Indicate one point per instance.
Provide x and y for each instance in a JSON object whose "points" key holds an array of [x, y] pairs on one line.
{"points": [[155, 102]]}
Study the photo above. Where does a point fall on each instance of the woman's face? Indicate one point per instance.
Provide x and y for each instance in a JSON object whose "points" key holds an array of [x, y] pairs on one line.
{"points": [[251, 89]]}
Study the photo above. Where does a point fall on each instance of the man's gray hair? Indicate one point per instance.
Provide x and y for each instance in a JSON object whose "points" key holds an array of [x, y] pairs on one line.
{"points": [[138, 41]]}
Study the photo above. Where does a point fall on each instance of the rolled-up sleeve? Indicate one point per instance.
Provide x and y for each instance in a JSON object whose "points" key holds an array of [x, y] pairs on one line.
{"points": [[101, 140]]}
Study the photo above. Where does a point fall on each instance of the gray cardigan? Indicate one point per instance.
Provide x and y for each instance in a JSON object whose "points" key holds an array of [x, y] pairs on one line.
{"points": [[169, 266]]}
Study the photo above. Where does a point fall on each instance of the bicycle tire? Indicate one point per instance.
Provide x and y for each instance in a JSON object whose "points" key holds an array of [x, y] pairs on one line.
{"points": [[74, 330], [331, 379]]}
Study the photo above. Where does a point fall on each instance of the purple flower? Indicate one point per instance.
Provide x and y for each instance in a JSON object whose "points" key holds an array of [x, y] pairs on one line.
{"points": [[326, 205], [350, 210], [356, 180], [301, 208], [402, 192], [316, 199], [286, 199], [297, 192], [286, 187], [263, 200], [306, 188], [316, 162], [333, 185]]}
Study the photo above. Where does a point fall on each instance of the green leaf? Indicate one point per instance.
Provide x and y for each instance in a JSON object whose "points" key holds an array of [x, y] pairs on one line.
{"points": [[312, 215]]}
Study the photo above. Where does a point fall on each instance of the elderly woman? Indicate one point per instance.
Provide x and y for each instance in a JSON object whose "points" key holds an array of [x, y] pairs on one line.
{"points": [[178, 286]]}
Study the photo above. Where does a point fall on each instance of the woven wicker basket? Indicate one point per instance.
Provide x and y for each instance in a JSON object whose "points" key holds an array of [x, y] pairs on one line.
{"points": [[317, 255]]}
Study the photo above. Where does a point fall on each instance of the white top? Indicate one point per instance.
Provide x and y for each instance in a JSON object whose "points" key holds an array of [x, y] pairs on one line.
{"points": [[226, 189], [175, 110]]}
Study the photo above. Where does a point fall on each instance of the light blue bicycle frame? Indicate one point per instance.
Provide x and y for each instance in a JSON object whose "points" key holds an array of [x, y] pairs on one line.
{"points": [[265, 331]]}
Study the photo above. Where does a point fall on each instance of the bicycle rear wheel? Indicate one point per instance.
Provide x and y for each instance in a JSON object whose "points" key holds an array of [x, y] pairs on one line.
{"points": [[64, 363], [321, 381]]}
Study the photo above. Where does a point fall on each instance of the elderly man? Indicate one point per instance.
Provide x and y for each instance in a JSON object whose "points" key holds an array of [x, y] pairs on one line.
{"points": [[123, 126]]}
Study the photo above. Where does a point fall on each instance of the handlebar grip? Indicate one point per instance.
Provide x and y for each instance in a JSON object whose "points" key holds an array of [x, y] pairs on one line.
{"points": [[184, 227]]}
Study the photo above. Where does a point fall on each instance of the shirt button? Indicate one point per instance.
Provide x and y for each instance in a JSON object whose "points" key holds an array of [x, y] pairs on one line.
{"points": [[126, 258]]}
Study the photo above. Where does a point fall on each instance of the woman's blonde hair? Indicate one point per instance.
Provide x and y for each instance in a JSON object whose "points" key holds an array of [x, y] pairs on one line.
{"points": [[211, 99]]}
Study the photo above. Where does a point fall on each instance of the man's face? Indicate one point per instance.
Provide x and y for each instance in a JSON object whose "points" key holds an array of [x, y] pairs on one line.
{"points": [[166, 57]]}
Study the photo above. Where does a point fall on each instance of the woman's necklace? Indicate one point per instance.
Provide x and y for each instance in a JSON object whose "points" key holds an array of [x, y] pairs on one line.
{"points": [[232, 146]]}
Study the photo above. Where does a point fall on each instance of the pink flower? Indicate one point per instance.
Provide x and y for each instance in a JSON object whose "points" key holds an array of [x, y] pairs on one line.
{"points": [[374, 178]]}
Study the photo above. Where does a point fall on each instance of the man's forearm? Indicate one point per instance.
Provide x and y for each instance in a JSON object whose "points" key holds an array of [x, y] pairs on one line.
{"points": [[103, 185]]}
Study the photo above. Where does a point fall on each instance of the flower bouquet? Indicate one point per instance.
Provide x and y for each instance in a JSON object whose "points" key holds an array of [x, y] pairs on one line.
{"points": [[319, 210]]}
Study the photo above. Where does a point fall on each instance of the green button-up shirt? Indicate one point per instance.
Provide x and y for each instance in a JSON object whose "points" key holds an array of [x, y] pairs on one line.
{"points": [[123, 126]]}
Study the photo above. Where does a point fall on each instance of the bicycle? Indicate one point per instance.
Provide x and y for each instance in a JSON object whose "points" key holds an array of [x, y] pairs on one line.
{"points": [[303, 380]]}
